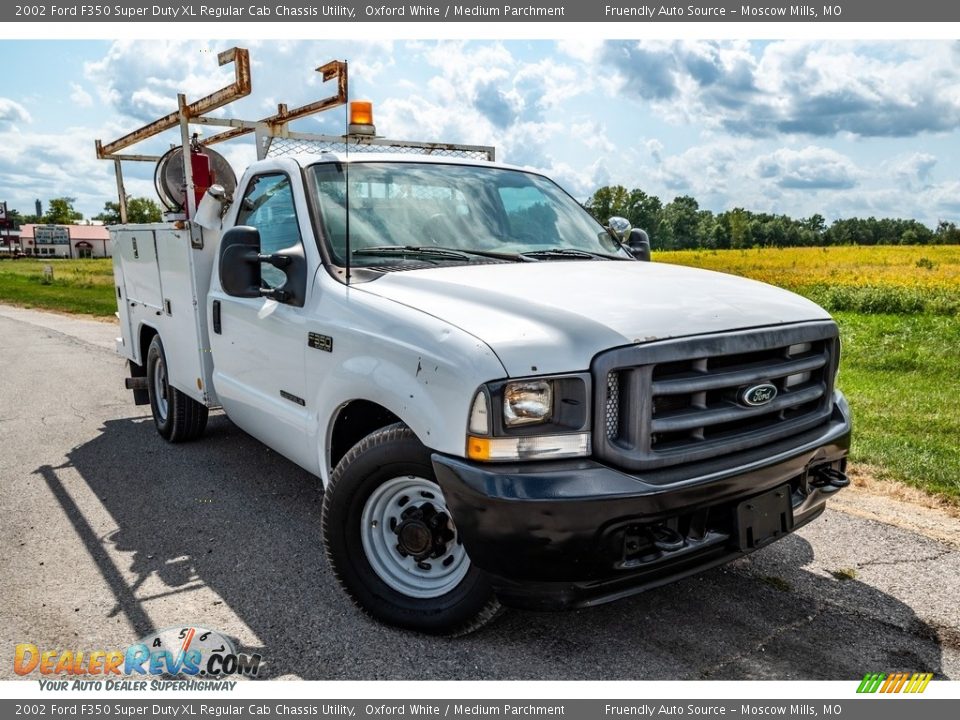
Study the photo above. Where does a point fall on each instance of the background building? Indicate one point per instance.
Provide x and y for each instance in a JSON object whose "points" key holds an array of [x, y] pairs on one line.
{"points": [[9, 239], [69, 241]]}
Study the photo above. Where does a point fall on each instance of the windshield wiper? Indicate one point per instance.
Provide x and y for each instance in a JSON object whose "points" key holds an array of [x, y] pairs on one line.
{"points": [[569, 253], [390, 250]]}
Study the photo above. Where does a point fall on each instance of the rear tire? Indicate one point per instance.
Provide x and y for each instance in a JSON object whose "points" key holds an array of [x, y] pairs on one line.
{"points": [[178, 417], [392, 544]]}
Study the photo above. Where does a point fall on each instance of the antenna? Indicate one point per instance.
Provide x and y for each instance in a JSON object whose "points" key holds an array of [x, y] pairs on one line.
{"points": [[346, 179]]}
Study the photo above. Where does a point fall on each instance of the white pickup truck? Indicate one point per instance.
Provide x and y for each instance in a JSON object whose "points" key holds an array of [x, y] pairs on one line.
{"points": [[504, 402]]}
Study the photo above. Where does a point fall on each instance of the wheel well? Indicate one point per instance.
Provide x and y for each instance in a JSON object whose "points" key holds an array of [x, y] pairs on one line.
{"points": [[141, 395], [355, 421], [146, 337]]}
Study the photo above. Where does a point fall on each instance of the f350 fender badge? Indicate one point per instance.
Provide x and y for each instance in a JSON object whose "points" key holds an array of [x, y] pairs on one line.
{"points": [[320, 342], [757, 395]]}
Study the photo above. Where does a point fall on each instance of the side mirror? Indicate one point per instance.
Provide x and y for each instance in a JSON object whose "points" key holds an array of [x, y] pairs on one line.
{"points": [[240, 262], [620, 228], [636, 240], [639, 244]]}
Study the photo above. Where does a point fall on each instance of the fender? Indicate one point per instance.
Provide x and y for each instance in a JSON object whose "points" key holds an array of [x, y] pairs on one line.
{"points": [[422, 369]]}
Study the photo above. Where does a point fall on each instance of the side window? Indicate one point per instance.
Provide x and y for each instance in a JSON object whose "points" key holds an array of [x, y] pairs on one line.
{"points": [[268, 206]]}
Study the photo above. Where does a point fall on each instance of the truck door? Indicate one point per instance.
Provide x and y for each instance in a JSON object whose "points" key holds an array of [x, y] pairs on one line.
{"points": [[259, 344]]}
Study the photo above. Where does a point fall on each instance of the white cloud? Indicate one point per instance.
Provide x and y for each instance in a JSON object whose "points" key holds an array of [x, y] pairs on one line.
{"points": [[79, 96], [737, 172], [47, 165], [705, 171], [482, 94], [684, 81], [141, 80], [944, 201], [655, 148], [807, 88], [593, 134], [579, 182], [937, 202], [585, 49], [914, 171], [12, 113], [810, 168], [487, 79]]}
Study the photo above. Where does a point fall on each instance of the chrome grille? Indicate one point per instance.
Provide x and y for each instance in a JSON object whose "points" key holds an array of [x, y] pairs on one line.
{"points": [[683, 400]]}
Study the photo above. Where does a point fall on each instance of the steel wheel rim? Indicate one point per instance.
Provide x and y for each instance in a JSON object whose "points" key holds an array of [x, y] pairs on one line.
{"points": [[160, 388], [380, 540]]}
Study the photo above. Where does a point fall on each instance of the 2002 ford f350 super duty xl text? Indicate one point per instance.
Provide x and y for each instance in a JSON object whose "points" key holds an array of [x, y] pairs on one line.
{"points": [[504, 404]]}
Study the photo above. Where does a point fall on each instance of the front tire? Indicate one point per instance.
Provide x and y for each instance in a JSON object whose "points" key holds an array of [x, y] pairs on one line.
{"points": [[391, 541], [178, 417]]}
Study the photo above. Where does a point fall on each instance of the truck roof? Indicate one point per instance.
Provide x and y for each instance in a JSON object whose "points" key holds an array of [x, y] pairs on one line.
{"points": [[305, 159]]}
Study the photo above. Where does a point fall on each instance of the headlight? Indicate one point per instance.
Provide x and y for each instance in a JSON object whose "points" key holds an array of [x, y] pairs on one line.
{"points": [[531, 419], [527, 403]]}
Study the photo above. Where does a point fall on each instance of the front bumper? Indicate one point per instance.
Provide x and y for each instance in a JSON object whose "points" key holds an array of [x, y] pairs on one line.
{"points": [[575, 533]]}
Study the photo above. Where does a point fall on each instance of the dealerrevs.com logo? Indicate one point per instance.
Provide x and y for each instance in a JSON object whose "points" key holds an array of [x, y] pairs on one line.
{"points": [[189, 652]]}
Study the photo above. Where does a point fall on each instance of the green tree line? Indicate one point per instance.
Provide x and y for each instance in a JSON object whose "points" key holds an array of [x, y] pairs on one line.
{"points": [[681, 224], [60, 211], [677, 225]]}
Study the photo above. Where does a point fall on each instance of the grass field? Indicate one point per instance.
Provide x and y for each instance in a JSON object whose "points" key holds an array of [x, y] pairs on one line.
{"points": [[898, 309], [894, 279], [79, 286], [899, 315]]}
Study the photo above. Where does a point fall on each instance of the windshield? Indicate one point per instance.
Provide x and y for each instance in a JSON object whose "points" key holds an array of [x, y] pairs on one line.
{"points": [[417, 212]]}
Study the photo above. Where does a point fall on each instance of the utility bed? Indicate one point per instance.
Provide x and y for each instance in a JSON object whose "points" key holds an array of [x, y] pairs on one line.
{"points": [[162, 279]]}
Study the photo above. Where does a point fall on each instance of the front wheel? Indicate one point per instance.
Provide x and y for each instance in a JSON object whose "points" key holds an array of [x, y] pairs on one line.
{"points": [[178, 417], [392, 543]]}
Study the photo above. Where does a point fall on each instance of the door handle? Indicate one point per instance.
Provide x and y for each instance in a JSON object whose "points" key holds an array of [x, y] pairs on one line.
{"points": [[216, 317]]}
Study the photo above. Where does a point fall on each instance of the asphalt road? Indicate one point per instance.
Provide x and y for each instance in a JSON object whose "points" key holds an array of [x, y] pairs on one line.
{"points": [[107, 533]]}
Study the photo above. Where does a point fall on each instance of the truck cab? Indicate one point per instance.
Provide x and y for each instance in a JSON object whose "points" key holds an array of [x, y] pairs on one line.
{"points": [[505, 402]]}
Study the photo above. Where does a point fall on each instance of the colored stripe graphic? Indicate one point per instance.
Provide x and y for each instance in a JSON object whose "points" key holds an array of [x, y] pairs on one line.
{"points": [[871, 682], [894, 683], [923, 679]]}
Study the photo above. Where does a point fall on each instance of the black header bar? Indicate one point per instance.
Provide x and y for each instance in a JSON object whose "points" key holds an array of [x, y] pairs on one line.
{"points": [[610, 11]]}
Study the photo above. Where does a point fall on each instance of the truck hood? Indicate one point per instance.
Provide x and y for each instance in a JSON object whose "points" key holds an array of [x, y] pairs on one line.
{"points": [[551, 317]]}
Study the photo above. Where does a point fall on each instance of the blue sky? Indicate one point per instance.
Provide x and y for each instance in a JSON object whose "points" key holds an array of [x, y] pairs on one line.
{"points": [[799, 127]]}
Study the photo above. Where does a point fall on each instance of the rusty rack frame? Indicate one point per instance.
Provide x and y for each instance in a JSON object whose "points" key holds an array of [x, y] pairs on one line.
{"points": [[276, 125]]}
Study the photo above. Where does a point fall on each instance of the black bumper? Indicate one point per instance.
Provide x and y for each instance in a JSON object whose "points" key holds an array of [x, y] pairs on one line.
{"points": [[574, 533]]}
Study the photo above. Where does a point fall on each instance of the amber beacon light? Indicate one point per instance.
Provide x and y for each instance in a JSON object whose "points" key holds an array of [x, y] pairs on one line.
{"points": [[361, 118]]}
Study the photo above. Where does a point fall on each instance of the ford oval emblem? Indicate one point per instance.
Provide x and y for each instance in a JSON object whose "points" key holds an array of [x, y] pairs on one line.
{"points": [[757, 395]]}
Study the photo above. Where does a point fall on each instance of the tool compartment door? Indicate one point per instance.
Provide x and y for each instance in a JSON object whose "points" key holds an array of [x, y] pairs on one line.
{"points": [[184, 273], [137, 249]]}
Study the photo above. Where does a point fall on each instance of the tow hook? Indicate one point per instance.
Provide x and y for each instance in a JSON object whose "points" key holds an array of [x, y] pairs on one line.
{"points": [[666, 539], [828, 479]]}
